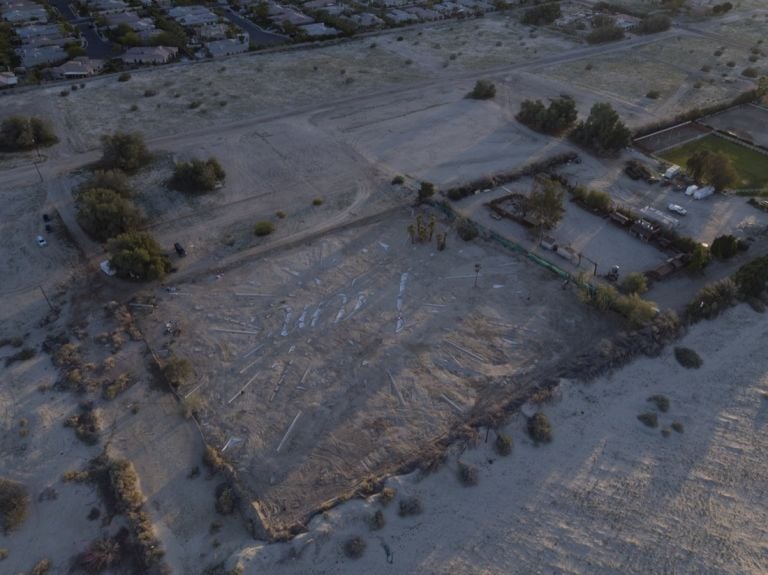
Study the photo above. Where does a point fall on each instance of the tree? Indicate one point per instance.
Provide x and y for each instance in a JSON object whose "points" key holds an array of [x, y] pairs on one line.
{"points": [[602, 132], [124, 151], [105, 214], [545, 203], [20, 133], [634, 283], [724, 247], [713, 168], [114, 180], [14, 501], [426, 191], [654, 23], [609, 33], [136, 255], [555, 119], [697, 164], [178, 371], [197, 176], [699, 258], [263, 228], [544, 14], [483, 90]]}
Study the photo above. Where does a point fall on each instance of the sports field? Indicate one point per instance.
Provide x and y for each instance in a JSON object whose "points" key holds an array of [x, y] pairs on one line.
{"points": [[751, 166]]}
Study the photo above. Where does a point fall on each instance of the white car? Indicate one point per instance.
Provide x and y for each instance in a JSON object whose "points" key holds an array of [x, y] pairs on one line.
{"points": [[677, 209], [41, 241]]}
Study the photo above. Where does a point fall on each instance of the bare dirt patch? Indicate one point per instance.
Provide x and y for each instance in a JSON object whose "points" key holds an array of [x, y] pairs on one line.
{"points": [[748, 122], [375, 346]]}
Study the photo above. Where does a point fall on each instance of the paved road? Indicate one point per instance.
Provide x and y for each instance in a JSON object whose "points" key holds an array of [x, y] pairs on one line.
{"points": [[95, 48], [259, 36]]}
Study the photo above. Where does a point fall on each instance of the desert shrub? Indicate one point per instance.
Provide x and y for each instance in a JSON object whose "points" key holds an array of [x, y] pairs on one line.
{"points": [[649, 419], [87, 424], [125, 485], [14, 501], [117, 386], [150, 93], [634, 282], [23, 355], [19, 133], [263, 228], [426, 191], [178, 371], [665, 432], [124, 151], [750, 72], [377, 520], [468, 474], [598, 201], [688, 358], [124, 77], [136, 255], [226, 499], [100, 556], [654, 23], [387, 495], [280, 214], [661, 402], [410, 506], [653, 94], [213, 460], [503, 444], [466, 229], [398, 181], [678, 427], [115, 180], [197, 176], [539, 428], [712, 299], [317, 202], [724, 247], [41, 567], [608, 33], [354, 547], [483, 90]]}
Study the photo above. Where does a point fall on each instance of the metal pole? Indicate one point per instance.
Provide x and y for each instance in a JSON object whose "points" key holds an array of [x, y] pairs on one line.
{"points": [[46, 297]]}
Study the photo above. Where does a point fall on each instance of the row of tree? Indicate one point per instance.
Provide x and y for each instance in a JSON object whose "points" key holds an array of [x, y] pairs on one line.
{"points": [[554, 119], [21, 133]]}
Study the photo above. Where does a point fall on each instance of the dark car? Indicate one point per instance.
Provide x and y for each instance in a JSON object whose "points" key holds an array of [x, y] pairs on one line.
{"points": [[180, 251]]}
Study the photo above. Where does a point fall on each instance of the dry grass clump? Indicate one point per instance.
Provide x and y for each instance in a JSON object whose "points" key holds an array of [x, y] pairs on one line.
{"points": [[677, 426], [14, 501], [86, 424], [41, 567], [213, 460], [503, 444], [539, 428], [387, 495], [226, 499], [661, 402], [117, 386], [649, 419], [4, 554], [410, 506], [178, 371], [125, 485], [354, 547], [100, 555], [468, 474]]}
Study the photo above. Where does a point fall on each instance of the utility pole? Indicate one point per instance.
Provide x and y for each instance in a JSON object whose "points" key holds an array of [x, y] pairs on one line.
{"points": [[50, 305]]}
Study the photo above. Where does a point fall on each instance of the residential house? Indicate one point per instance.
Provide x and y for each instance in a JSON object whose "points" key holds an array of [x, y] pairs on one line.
{"points": [[19, 12], [8, 79], [117, 18], [213, 32], [424, 14], [292, 16], [149, 55], [193, 16], [39, 55], [400, 16], [366, 20], [228, 47], [105, 7], [318, 29], [80, 67]]}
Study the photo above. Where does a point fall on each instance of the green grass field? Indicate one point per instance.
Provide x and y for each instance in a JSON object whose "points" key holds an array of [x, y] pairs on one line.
{"points": [[751, 166]]}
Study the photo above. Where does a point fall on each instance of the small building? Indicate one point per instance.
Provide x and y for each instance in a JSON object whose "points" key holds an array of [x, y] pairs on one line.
{"points": [[81, 67], [149, 55], [228, 47], [105, 7], [8, 79], [37, 56]]}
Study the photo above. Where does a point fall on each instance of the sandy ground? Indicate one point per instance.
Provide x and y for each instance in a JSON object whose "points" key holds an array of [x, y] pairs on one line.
{"points": [[608, 495], [372, 340]]}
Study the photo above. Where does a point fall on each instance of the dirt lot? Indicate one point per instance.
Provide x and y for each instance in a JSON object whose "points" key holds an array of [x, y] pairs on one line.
{"points": [[371, 340], [748, 122], [671, 137]]}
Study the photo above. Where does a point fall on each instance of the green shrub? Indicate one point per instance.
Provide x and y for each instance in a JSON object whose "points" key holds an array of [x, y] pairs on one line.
{"points": [[752, 277], [649, 419], [317, 202], [426, 191], [688, 358], [713, 299], [483, 90], [115, 180], [598, 201], [410, 506], [653, 95], [197, 176], [178, 371], [354, 547], [634, 282], [539, 428], [661, 402], [280, 214], [136, 255], [608, 33], [124, 77], [263, 228], [14, 502], [543, 14], [503, 444], [677, 426], [105, 214], [724, 247], [466, 229], [398, 181], [124, 151], [468, 474]]}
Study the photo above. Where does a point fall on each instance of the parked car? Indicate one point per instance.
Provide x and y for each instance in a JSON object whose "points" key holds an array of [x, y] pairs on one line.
{"points": [[677, 209], [41, 241]]}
